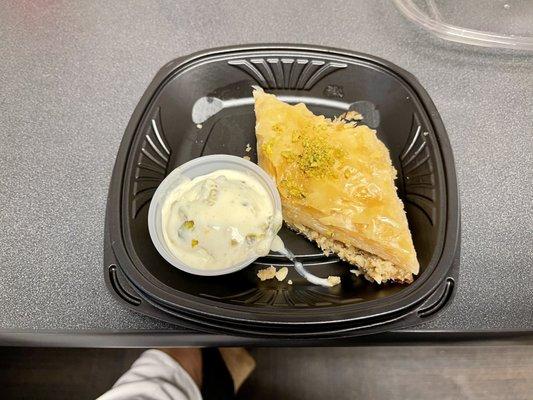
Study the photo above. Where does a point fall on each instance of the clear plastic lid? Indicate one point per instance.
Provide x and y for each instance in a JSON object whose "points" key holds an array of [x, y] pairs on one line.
{"points": [[489, 23]]}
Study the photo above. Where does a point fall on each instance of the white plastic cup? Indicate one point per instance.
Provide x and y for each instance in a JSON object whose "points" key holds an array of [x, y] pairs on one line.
{"points": [[192, 169]]}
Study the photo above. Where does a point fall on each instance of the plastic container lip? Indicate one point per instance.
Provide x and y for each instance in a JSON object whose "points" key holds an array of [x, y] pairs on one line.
{"points": [[129, 255], [191, 169], [459, 34]]}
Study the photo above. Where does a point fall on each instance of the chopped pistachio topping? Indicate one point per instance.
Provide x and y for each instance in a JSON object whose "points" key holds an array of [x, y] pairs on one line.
{"points": [[291, 188], [318, 156]]}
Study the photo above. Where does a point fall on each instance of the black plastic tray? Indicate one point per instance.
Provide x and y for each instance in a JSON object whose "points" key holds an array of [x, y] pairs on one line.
{"points": [[202, 104]]}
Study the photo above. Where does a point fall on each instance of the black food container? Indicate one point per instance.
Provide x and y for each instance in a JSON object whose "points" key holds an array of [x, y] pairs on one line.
{"points": [[202, 104]]}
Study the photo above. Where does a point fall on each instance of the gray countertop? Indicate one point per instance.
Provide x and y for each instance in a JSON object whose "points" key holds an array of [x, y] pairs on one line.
{"points": [[71, 74]]}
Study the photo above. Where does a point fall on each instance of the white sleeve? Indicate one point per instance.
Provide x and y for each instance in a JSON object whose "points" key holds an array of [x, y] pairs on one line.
{"points": [[154, 376]]}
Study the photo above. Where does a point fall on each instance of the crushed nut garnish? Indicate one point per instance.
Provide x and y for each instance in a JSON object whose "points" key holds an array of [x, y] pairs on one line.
{"points": [[267, 147], [318, 156], [277, 128], [292, 188], [188, 224], [288, 155]]}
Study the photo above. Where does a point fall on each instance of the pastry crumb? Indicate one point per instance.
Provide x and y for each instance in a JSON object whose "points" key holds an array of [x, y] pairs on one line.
{"points": [[356, 272], [266, 273], [246, 158], [199, 126], [282, 273], [349, 116], [289, 282], [248, 147], [373, 267], [334, 280]]}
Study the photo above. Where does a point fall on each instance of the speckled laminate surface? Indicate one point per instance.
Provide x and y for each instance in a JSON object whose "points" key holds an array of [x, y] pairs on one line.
{"points": [[71, 74]]}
